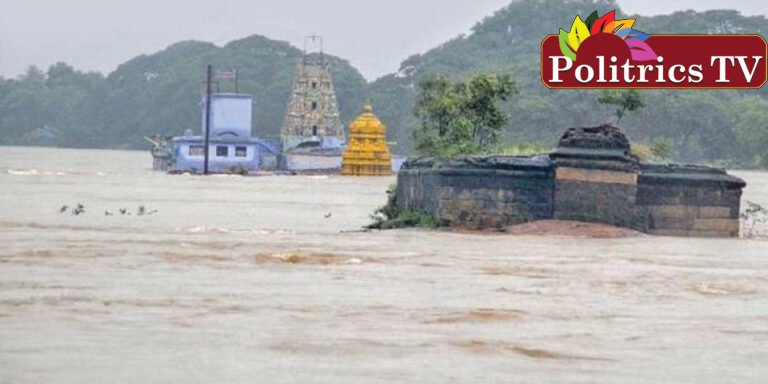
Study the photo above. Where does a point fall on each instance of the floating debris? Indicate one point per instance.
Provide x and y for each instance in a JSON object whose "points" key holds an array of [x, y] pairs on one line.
{"points": [[143, 211], [79, 210]]}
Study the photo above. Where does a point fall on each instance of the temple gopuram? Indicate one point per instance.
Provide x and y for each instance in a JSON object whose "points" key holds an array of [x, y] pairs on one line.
{"points": [[367, 153], [312, 137], [312, 119]]}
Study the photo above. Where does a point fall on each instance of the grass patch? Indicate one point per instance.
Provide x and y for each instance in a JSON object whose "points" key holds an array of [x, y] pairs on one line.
{"points": [[390, 217]]}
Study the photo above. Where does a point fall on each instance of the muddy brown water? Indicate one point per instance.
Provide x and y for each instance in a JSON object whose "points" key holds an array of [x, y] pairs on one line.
{"points": [[243, 280]]}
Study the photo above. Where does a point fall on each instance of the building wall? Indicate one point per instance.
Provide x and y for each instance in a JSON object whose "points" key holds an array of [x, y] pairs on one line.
{"points": [[295, 162], [231, 115], [256, 158]]}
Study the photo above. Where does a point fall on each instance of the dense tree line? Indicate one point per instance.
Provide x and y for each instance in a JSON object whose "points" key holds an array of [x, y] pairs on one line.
{"points": [[159, 93], [156, 94], [726, 127]]}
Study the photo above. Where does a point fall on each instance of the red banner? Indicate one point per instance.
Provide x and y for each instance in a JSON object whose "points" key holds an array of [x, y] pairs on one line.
{"points": [[680, 62]]}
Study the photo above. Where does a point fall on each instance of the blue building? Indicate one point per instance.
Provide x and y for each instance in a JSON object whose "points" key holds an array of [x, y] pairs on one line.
{"points": [[232, 147]]}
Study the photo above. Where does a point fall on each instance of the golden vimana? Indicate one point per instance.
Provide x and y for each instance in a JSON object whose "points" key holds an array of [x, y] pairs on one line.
{"points": [[367, 153]]}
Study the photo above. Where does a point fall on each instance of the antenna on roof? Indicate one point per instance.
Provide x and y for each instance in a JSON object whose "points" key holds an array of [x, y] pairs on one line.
{"points": [[314, 41]]}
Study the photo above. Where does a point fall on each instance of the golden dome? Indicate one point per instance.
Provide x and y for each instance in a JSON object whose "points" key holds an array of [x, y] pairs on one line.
{"points": [[367, 153]]}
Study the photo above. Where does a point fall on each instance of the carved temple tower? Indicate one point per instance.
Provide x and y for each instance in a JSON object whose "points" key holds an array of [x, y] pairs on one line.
{"points": [[312, 120]]}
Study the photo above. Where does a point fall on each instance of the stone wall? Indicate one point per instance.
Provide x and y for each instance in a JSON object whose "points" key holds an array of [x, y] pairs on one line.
{"points": [[596, 196], [478, 193], [591, 176], [596, 177], [689, 201]]}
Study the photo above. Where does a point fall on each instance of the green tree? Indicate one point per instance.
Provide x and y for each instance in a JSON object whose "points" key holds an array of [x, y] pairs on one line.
{"points": [[698, 122], [750, 128], [156, 94], [159, 93], [627, 100], [461, 117], [24, 107], [663, 148], [700, 125]]}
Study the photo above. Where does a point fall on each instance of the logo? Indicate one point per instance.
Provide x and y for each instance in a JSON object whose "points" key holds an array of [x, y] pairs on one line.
{"points": [[595, 25], [603, 52]]}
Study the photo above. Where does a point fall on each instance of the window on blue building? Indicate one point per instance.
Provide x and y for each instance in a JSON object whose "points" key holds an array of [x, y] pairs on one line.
{"points": [[241, 151], [222, 151], [196, 150]]}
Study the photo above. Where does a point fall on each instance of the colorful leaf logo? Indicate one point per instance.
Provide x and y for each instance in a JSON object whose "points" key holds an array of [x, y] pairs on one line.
{"points": [[595, 24]]}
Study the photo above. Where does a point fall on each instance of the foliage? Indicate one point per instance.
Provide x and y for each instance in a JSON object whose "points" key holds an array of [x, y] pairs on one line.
{"points": [[390, 217], [461, 117], [522, 149], [156, 94], [626, 100], [39, 106], [406, 219], [702, 125], [750, 131], [662, 148], [389, 210], [642, 152], [754, 218]]}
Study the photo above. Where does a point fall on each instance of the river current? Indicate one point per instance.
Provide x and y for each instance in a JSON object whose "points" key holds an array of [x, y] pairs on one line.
{"points": [[269, 280]]}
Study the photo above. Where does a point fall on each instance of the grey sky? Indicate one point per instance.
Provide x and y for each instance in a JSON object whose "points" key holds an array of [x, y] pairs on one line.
{"points": [[374, 36]]}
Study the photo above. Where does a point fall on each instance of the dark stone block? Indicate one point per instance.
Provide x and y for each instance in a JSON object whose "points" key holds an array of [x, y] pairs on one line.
{"points": [[736, 212], [596, 138], [681, 223], [596, 202]]}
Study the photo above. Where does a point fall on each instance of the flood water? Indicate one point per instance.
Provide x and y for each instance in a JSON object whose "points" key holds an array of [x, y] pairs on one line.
{"points": [[264, 280]]}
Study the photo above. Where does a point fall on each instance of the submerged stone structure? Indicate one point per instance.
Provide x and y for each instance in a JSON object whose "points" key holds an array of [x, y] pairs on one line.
{"points": [[367, 153], [591, 176]]}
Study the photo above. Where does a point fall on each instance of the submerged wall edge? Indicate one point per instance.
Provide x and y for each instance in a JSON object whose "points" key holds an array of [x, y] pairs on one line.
{"points": [[583, 184]]}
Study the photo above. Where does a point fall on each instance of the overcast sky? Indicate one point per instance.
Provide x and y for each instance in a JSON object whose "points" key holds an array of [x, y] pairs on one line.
{"points": [[374, 36]]}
